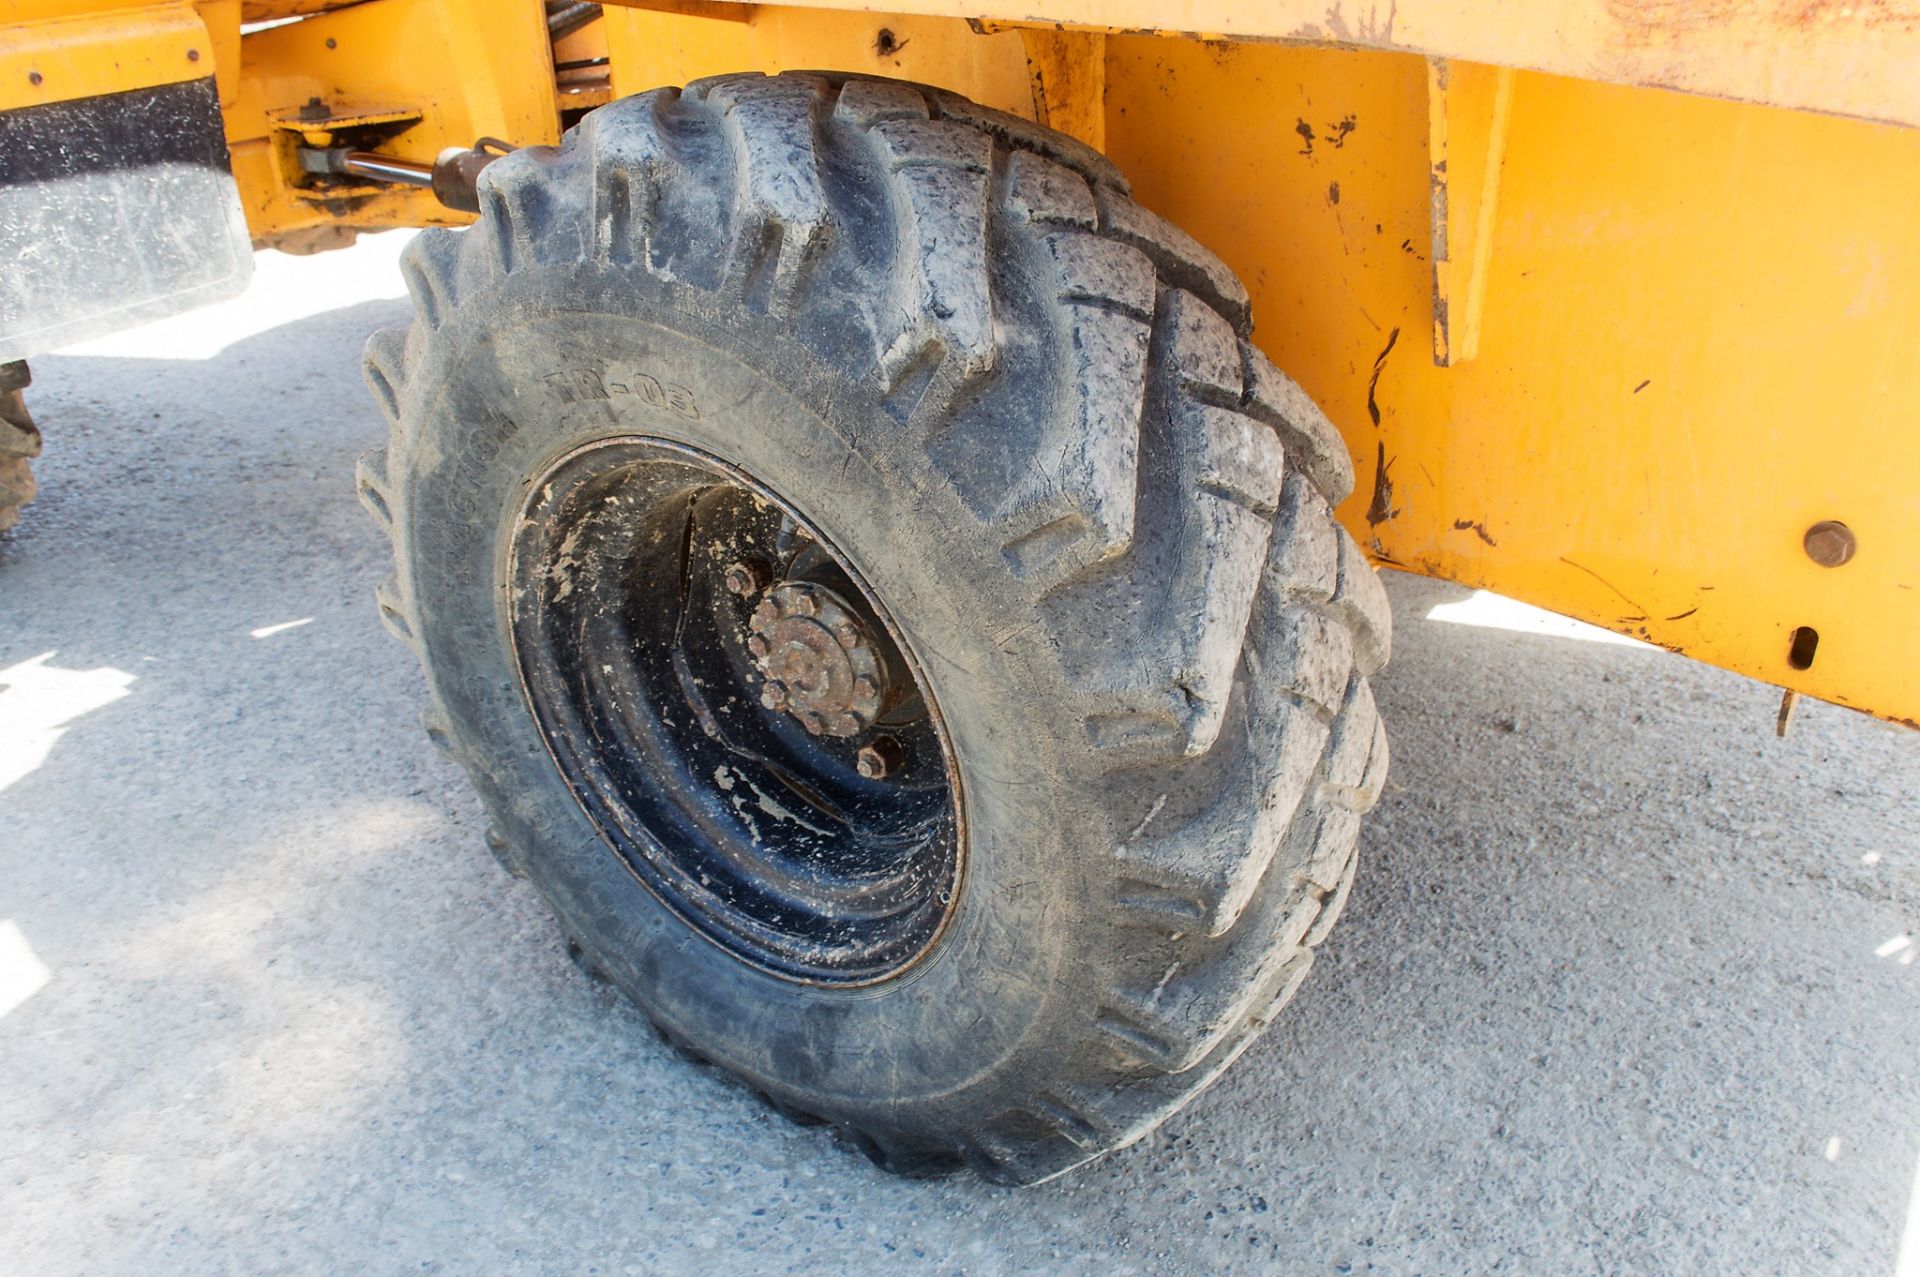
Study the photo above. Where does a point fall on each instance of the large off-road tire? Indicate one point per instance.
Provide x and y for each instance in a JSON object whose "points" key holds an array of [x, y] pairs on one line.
{"points": [[19, 444], [1024, 416]]}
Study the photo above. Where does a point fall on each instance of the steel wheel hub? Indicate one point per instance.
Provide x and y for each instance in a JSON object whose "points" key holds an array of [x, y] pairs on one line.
{"points": [[735, 711]]}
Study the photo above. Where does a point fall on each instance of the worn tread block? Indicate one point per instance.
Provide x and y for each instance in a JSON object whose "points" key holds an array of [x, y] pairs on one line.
{"points": [[384, 365], [1311, 439], [865, 103], [1042, 192], [783, 212], [1024, 135], [430, 267], [1201, 348], [1361, 600], [1183, 1017], [1075, 508], [1201, 876], [629, 152], [1183, 261], [1303, 561], [370, 481], [519, 226]]}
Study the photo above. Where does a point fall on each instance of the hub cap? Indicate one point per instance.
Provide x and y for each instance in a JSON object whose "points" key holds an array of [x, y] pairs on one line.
{"points": [[735, 711], [820, 663]]}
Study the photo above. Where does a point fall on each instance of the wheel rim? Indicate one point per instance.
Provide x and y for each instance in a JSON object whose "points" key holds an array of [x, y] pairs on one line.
{"points": [[736, 712]]}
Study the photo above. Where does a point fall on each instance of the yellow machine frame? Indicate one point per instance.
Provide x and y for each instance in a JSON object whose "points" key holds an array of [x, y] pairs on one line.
{"points": [[1626, 353]]}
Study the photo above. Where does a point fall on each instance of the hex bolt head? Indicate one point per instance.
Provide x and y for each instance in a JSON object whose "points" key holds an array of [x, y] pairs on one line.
{"points": [[748, 577], [880, 757], [805, 605], [1829, 543]]}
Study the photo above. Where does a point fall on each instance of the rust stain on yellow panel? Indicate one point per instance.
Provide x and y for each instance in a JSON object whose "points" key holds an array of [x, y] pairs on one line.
{"points": [[1697, 341]]}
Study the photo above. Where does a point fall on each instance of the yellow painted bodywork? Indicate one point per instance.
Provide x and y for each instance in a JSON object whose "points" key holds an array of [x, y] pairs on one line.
{"points": [[1698, 339], [1598, 346], [650, 49], [1846, 57], [60, 50]]}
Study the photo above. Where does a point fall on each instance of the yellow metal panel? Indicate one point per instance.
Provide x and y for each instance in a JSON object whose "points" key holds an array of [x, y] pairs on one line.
{"points": [[222, 19], [651, 49], [56, 52], [274, 10], [1468, 108], [1856, 57], [1698, 340], [1068, 75]]}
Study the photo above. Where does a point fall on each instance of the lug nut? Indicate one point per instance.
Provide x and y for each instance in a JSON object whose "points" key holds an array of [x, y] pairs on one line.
{"points": [[805, 605], [774, 695], [814, 721], [880, 758], [748, 577], [757, 646]]}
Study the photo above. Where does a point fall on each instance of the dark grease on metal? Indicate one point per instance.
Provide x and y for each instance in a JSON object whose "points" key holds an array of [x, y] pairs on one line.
{"points": [[1305, 131], [1478, 528], [1380, 509], [1373, 382]]}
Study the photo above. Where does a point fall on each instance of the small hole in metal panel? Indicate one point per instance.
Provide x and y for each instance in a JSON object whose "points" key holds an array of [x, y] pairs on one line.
{"points": [[1800, 653]]}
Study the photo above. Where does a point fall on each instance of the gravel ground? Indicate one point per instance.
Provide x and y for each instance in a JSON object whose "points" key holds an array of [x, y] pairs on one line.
{"points": [[1625, 985]]}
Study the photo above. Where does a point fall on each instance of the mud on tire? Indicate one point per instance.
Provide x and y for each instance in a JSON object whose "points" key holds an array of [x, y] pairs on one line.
{"points": [[1028, 410]]}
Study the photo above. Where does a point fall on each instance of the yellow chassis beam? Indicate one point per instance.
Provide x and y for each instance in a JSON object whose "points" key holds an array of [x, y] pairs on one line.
{"points": [[1844, 57]]}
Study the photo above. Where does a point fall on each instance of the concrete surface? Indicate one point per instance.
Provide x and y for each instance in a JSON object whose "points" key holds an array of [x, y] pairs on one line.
{"points": [[1626, 984]]}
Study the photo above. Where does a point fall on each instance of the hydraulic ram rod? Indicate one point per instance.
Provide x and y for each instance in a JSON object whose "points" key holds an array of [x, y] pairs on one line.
{"points": [[451, 177]]}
